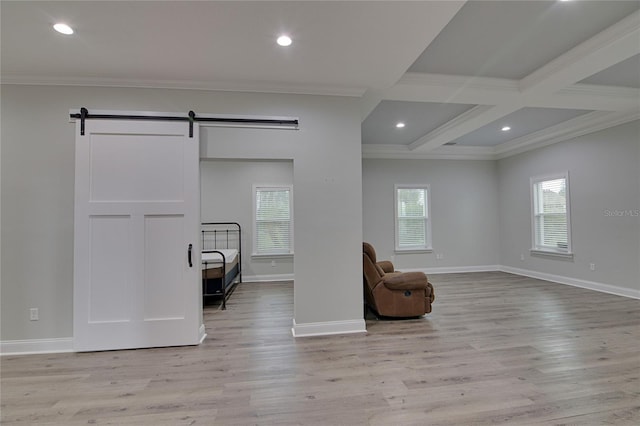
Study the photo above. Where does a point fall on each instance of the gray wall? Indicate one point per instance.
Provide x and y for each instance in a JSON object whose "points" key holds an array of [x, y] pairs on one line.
{"points": [[227, 195], [327, 205], [464, 210], [38, 180], [468, 198], [604, 176]]}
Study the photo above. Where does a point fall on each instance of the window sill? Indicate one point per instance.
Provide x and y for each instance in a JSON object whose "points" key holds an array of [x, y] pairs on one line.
{"points": [[550, 253], [272, 255], [413, 250]]}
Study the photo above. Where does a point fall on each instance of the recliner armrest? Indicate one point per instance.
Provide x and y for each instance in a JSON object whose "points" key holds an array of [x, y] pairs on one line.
{"points": [[406, 281], [386, 266]]}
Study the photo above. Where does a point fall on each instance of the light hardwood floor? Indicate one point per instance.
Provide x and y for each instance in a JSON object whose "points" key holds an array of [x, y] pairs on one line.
{"points": [[497, 349]]}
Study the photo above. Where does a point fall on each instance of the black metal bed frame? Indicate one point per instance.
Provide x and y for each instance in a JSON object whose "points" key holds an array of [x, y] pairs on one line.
{"points": [[227, 288]]}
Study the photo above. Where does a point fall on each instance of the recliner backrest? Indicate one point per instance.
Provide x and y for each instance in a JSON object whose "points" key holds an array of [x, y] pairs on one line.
{"points": [[369, 251], [372, 273]]}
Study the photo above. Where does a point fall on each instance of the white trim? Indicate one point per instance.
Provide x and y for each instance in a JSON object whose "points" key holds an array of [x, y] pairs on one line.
{"points": [[473, 90], [51, 346], [267, 278], [575, 282], [618, 93], [612, 45], [543, 250], [36, 346], [559, 279], [413, 250], [426, 188], [254, 243], [551, 253], [461, 152], [402, 152], [454, 269], [272, 256], [328, 328], [482, 85], [221, 86], [454, 127], [582, 125], [62, 345]]}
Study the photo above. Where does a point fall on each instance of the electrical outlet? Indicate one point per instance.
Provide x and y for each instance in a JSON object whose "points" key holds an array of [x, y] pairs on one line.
{"points": [[273, 263], [592, 266], [521, 256], [34, 315], [439, 256]]}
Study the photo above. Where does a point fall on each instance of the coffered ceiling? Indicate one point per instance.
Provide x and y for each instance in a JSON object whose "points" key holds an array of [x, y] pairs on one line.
{"points": [[454, 72]]}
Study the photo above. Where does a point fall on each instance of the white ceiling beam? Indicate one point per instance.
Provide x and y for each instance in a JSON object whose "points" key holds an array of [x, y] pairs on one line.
{"points": [[609, 47], [440, 88], [577, 96], [437, 88], [463, 124]]}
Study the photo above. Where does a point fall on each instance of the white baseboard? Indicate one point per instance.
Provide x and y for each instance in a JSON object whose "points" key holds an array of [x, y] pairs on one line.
{"points": [[454, 269], [36, 346], [328, 328], [202, 333], [575, 282], [59, 345], [267, 278]]}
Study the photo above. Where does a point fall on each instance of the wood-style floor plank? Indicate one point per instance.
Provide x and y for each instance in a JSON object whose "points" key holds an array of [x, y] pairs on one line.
{"points": [[497, 349]]}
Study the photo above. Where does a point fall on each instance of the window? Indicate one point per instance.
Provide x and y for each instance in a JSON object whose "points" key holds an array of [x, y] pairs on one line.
{"points": [[273, 214], [551, 214], [413, 226]]}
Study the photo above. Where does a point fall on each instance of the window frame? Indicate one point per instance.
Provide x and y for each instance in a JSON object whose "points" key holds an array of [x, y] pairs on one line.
{"points": [[254, 248], [540, 249], [427, 229]]}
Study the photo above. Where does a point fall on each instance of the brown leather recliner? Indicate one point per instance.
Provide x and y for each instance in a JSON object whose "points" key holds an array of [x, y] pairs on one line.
{"points": [[392, 293]]}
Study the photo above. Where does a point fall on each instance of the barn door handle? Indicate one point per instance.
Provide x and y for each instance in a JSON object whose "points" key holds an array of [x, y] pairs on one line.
{"points": [[189, 255]]}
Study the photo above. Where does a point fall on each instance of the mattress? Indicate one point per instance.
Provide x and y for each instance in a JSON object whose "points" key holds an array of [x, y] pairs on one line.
{"points": [[212, 262]]}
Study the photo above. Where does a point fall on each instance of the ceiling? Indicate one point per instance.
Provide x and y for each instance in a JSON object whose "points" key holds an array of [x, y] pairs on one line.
{"points": [[454, 72]]}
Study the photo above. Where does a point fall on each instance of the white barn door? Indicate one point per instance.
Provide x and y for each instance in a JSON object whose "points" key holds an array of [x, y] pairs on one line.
{"points": [[137, 212]]}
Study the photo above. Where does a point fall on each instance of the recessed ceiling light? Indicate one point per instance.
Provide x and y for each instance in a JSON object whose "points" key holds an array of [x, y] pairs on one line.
{"points": [[284, 40], [63, 28], [400, 125], [506, 128]]}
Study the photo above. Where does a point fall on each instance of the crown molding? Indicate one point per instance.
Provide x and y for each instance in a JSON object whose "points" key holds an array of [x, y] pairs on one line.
{"points": [[223, 86], [402, 152], [579, 126]]}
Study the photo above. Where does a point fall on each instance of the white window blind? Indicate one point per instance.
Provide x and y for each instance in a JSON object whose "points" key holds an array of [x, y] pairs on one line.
{"points": [[412, 217], [273, 232], [551, 230]]}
